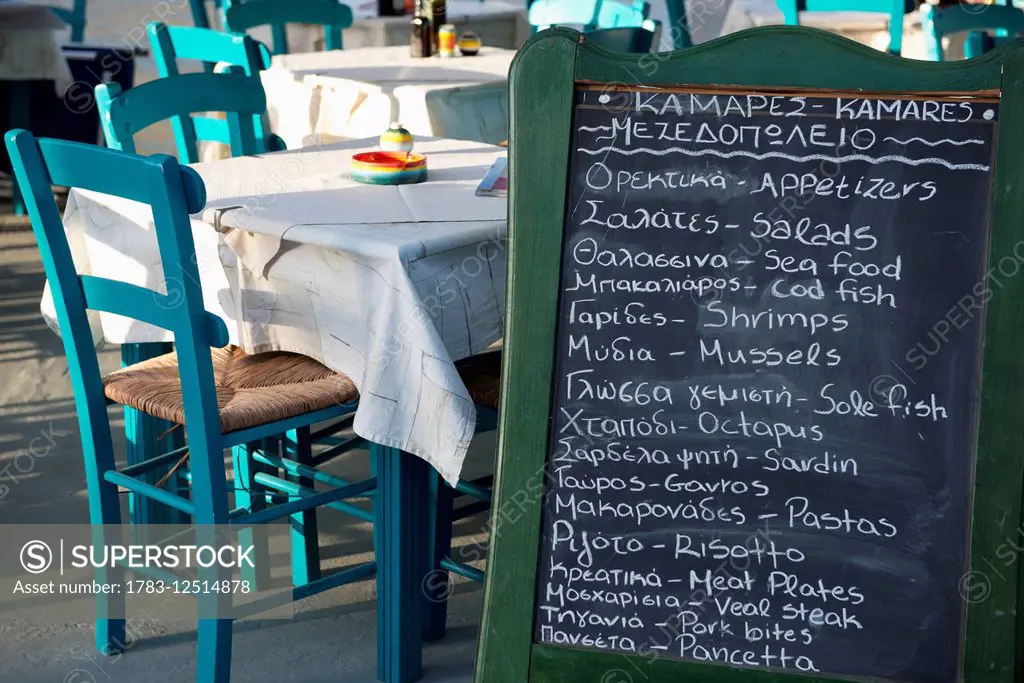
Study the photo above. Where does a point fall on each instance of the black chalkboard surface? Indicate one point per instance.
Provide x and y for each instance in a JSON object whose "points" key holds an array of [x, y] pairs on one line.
{"points": [[758, 455], [761, 398]]}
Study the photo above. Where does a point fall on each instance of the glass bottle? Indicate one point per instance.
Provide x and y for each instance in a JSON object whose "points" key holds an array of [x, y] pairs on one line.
{"points": [[390, 8], [420, 34], [438, 18]]}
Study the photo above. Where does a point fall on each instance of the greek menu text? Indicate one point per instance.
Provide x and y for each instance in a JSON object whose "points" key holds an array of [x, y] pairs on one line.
{"points": [[767, 367]]}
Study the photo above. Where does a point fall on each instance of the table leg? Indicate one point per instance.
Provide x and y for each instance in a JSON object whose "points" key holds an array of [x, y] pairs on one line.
{"points": [[402, 551], [143, 440]]}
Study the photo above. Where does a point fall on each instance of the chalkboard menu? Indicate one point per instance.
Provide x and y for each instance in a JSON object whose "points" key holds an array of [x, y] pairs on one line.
{"points": [[766, 380]]}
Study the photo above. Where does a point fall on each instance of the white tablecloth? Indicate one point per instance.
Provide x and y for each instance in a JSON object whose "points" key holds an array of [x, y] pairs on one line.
{"points": [[358, 93], [30, 45], [387, 284]]}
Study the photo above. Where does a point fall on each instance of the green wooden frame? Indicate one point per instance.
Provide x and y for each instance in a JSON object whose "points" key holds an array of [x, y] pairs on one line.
{"points": [[542, 81]]}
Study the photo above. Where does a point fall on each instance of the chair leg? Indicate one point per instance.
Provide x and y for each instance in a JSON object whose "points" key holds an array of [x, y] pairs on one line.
{"points": [[142, 440], [110, 608], [213, 640], [105, 517], [401, 548], [305, 543], [213, 663], [437, 587], [210, 495], [250, 496]]}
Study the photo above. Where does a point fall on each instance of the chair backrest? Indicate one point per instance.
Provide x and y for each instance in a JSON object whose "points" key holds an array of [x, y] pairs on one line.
{"points": [[639, 39], [331, 14], [238, 96], [173, 192], [74, 17], [210, 48], [791, 10], [590, 15], [937, 22], [204, 45]]}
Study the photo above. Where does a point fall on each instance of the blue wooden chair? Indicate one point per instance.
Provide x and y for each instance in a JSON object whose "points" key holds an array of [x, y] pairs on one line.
{"points": [[210, 48], [637, 40], [331, 14], [482, 375], [224, 399], [145, 436], [179, 98], [206, 46], [940, 21], [74, 18], [791, 10], [588, 15]]}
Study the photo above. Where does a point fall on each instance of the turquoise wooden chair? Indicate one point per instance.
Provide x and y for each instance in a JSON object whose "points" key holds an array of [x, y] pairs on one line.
{"points": [[589, 15], [940, 21], [74, 18], [637, 40], [210, 48], [182, 387], [145, 436], [482, 375], [791, 10], [331, 14], [180, 98]]}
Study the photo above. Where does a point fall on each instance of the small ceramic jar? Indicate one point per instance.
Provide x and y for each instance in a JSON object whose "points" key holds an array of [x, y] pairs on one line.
{"points": [[469, 44], [396, 139]]}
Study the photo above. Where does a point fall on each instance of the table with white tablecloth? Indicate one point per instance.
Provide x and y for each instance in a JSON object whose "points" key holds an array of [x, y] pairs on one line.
{"points": [[358, 93], [498, 23], [387, 284], [30, 45]]}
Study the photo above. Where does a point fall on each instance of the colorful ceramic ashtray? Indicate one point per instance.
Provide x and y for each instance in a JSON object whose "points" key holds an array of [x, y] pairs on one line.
{"points": [[469, 44], [389, 168]]}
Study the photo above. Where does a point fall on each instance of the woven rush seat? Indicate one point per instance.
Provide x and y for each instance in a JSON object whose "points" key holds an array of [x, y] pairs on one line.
{"points": [[251, 389], [482, 376]]}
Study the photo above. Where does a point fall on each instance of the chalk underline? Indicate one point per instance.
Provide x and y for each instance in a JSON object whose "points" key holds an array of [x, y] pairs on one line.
{"points": [[935, 143], [782, 155]]}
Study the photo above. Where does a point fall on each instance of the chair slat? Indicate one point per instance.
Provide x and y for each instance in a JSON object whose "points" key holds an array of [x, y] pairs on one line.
{"points": [[98, 169], [241, 55], [332, 15], [171, 43], [591, 15], [142, 106], [138, 303], [212, 130]]}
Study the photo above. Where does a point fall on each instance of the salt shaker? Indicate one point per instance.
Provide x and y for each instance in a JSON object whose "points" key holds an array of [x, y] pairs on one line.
{"points": [[396, 139]]}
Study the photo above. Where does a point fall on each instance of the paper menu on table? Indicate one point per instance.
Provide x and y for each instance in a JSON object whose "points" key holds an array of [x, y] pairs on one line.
{"points": [[495, 183]]}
